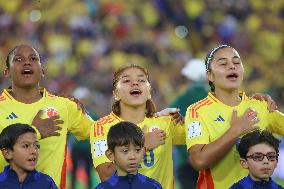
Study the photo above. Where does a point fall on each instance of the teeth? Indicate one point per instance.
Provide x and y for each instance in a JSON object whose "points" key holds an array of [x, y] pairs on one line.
{"points": [[135, 91]]}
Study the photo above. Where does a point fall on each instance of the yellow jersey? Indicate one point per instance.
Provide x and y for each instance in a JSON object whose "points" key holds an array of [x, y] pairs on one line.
{"points": [[157, 163], [208, 119], [53, 149]]}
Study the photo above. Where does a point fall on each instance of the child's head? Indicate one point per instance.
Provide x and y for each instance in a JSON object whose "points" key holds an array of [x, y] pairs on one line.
{"points": [[259, 153], [125, 147], [19, 146]]}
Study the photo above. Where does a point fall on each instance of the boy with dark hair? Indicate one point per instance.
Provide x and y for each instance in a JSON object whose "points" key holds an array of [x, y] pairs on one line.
{"points": [[125, 142], [20, 148], [259, 154]]}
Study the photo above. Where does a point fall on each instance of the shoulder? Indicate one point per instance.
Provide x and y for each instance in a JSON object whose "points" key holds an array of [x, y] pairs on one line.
{"points": [[109, 119], [237, 186], [44, 179], [5, 96], [275, 185], [151, 182], [102, 185], [203, 106], [3, 176]]}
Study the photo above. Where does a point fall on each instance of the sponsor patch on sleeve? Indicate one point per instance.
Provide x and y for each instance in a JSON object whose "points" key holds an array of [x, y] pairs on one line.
{"points": [[194, 129], [100, 146]]}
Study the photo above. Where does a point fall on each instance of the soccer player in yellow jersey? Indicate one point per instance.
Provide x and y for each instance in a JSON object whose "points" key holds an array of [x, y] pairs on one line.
{"points": [[21, 102], [133, 103], [215, 124]]}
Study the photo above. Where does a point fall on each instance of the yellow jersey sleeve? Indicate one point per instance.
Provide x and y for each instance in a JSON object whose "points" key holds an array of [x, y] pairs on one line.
{"points": [[98, 138], [98, 147], [80, 123], [276, 122], [195, 128], [178, 133]]}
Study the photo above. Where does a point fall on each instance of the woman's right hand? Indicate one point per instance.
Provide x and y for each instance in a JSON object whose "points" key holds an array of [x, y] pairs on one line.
{"points": [[245, 123], [153, 139]]}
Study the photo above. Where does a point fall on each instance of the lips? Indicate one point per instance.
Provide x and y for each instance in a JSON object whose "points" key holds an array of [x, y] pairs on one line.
{"points": [[232, 76], [27, 72], [135, 92], [32, 161], [132, 165]]}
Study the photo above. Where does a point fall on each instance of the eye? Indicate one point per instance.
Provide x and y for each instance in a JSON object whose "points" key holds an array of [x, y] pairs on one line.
{"points": [[25, 146], [257, 157], [34, 58], [138, 149], [37, 146], [126, 81], [18, 59], [142, 80], [124, 150]]}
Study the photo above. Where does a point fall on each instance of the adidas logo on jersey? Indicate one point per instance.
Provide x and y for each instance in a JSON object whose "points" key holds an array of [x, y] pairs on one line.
{"points": [[220, 118], [12, 116]]}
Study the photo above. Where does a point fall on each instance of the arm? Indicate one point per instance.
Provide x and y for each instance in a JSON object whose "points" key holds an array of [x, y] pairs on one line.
{"points": [[203, 156], [79, 122], [105, 170], [276, 122]]}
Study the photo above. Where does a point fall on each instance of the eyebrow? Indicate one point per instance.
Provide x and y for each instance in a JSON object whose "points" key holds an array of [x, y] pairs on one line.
{"points": [[227, 58], [140, 75], [29, 55]]}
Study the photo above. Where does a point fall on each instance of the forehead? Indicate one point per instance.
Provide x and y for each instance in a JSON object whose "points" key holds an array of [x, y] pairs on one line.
{"points": [[31, 137], [133, 71], [262, 147], [226, 52], [25, 50]]}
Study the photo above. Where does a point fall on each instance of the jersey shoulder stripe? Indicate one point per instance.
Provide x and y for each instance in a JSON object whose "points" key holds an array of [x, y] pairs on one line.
{"points": [[194, 109], [106, 120]]}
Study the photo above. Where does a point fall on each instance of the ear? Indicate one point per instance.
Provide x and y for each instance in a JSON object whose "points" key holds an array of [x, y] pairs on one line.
{"points": [[7, 153], [115, 95], [209, 76], [7, 72], [110, 155], [42, 72], [244, 163]]}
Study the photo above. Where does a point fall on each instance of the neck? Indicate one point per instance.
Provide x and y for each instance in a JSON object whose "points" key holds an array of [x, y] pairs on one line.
{"points": [[132, 114], [230, 98], [26, 95], [22, 174], [258, 179], [123, 173]]}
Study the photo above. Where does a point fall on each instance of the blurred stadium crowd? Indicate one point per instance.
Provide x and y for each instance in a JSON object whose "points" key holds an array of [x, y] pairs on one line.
{"points": [[83, 41]]}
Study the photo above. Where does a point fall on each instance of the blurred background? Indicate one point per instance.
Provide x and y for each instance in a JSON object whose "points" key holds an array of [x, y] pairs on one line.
{"points": [[83, 41]]}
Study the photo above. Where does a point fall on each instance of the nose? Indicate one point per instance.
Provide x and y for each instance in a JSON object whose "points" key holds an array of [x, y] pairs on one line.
{"points": [[132, 155], [134, 83], [232, 65]]}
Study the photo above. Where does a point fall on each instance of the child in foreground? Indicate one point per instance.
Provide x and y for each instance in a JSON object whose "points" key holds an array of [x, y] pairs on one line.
{"points": [[20, 148], [125, 142], [259, 154]]}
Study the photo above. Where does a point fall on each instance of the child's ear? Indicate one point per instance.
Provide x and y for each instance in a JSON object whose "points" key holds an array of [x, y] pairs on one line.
{"points": [[244, 163], [6, 72], [7, 153], [110, 154]]}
